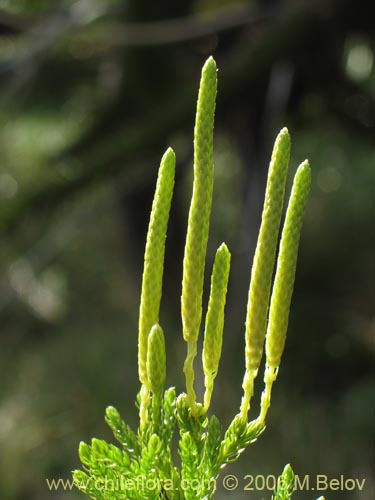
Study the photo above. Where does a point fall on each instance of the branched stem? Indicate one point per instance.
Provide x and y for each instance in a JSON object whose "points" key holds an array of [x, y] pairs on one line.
{"points": [[204, 447]]}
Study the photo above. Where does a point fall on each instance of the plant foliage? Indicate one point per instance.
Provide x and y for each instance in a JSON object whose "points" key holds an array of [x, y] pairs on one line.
{"points": [[144, 466]]}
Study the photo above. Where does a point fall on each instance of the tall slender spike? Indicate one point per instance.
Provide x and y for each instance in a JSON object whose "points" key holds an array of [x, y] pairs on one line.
{"points": [[200, 208], [263, 264], [198, 223], [154, 258], [284, 280]]}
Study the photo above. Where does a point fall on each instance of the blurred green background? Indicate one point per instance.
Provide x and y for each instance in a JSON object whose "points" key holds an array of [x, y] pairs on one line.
{"points": [[92, 92]]}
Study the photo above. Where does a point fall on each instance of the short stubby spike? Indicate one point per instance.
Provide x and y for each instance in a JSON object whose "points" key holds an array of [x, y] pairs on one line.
{"points": [[154, 257], [156, 360]]}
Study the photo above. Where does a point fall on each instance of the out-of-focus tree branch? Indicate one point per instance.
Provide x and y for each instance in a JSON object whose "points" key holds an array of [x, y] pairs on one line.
{"points": [[181, 30], [145, 133]]}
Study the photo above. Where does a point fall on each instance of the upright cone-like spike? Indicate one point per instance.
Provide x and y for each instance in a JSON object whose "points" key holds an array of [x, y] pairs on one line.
{"points": [[198, 223], [284, 280], [200, 208], [263, 264], [154, 258], [213, 335], [286, 266]]}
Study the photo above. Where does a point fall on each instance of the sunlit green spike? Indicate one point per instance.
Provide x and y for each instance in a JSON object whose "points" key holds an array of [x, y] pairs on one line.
{"points": [[213, 335], [284, 281], [200, 208], [286, 267], [198, 223], [154, 257], [263, 264]]}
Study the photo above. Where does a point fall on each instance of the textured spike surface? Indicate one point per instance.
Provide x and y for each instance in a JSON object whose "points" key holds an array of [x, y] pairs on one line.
{"points": [[213, 337], [264, 258], [154, 257], [200, 208], [263, 264], [156, 360], [286, 266]]}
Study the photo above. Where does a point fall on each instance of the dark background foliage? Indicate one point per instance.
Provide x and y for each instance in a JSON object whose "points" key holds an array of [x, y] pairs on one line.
{"points": [[92, 92]]}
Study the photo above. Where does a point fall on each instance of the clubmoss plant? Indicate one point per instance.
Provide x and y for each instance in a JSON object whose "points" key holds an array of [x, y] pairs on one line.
{"points": [[144, 466]]}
